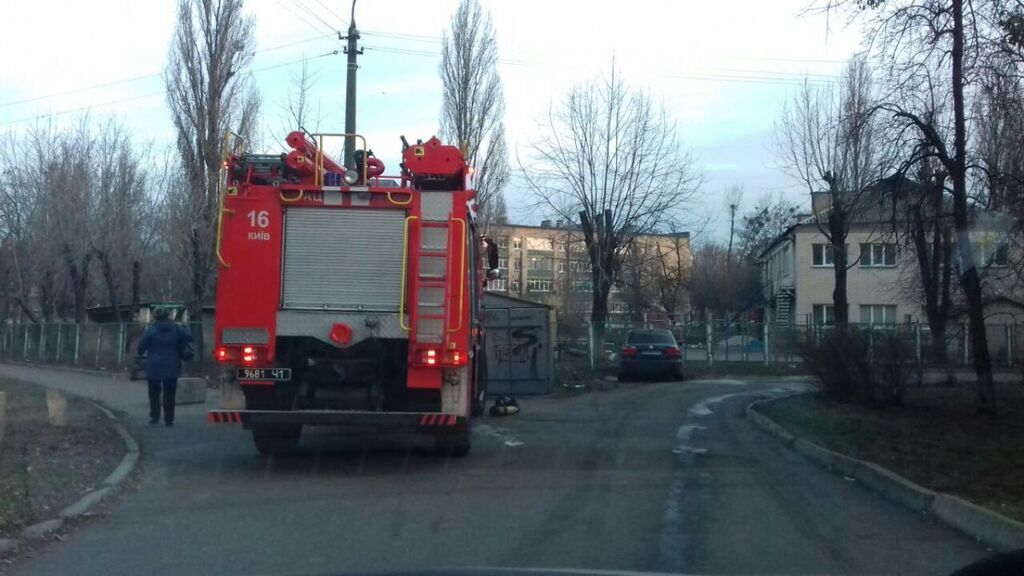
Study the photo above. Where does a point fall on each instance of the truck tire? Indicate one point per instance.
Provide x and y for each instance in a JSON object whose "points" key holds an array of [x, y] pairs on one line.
{"points": [[277, 440]]}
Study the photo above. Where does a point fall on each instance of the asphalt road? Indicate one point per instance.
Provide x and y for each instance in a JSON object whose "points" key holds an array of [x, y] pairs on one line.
{"points": [[664, 477]]}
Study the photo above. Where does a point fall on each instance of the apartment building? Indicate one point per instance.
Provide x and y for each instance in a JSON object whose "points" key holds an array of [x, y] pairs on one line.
{"points": [[883, 280], [549, 264]]}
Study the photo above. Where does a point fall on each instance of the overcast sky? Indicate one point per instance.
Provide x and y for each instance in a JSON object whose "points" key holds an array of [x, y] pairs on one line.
{"points": [[722, 69]]}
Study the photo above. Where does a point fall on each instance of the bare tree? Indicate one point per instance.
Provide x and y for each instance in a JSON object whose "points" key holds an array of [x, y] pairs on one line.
{"points": [[761, 225], [829, 141], [733, 200], [609, 157], [300, 111], [122, 205], [943, 44], [209, 95], [473, 105]]}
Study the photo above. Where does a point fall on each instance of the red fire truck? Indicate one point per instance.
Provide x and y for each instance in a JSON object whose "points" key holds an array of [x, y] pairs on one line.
{"points": [[346, 297]]}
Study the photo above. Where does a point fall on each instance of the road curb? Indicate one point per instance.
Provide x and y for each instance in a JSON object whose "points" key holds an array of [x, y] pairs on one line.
{"points": [[976, 521], [83, 505]]}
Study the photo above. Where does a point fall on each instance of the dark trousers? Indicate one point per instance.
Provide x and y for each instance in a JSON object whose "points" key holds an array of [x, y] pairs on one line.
{"points": [[170, 387]]}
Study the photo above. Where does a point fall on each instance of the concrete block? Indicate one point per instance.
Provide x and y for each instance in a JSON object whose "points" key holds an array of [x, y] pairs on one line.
{"points": [[191, 391], [894, 487], [985, 525]]}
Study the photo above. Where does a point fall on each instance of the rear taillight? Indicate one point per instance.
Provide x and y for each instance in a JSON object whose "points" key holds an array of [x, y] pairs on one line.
{"points": [[249, 355], [629, 352], [432, 357], [222, 354], [673, 352]]}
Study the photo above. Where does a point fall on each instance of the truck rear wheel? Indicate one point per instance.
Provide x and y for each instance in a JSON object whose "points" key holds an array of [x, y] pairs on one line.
{"points": [[276, 440], [453, 443]]}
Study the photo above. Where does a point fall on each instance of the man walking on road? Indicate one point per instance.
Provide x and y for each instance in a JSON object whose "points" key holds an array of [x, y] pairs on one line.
{"points": [[165, 345]]}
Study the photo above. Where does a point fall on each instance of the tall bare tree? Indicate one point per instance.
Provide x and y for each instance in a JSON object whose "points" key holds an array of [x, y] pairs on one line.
{"points": [[209, 95], [829, 141], [609, 158], [473, 104], [944, 45]]}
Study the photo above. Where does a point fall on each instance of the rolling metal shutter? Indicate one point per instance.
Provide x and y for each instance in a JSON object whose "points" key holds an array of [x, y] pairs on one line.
{"points": [[342, 259]]}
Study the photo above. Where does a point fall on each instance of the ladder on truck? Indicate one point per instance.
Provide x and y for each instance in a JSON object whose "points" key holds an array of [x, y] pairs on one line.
{"points": [[437, 258]]}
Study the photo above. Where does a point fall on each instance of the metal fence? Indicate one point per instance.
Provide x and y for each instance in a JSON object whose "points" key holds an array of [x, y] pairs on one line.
{"points": [[730, 341], [87, 345], [112, 346]]}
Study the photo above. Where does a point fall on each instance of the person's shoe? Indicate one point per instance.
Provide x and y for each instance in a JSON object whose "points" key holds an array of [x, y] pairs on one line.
{"points": [[169, 423], [154, 421]]}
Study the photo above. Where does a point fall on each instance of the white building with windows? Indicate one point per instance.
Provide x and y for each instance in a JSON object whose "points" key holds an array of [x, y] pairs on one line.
{"points": [[883, 285]]}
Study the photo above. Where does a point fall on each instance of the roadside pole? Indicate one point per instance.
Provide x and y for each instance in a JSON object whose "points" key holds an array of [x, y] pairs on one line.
{"points": [[764, 345], [3, 415]]}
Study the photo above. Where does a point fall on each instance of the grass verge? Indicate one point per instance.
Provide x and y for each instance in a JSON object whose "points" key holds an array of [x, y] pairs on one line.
{"points": [[45, 468], [935, 439]]}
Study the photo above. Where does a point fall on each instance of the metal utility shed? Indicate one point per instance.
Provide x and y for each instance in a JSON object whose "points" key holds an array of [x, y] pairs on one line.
{"points": [[520, 358]]}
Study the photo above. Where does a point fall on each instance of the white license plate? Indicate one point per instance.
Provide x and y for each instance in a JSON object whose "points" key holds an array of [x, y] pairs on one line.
{"points": [[265, 374]]}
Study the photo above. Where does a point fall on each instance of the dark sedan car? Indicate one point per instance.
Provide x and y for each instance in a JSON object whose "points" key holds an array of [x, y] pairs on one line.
{"points": [[651, 353]]}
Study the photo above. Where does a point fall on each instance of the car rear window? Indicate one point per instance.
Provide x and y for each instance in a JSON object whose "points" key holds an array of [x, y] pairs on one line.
{"points": [[651, 338]]}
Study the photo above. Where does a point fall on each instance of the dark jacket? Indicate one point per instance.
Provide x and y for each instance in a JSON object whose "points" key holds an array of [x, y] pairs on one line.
{"points": [[162, 344]]}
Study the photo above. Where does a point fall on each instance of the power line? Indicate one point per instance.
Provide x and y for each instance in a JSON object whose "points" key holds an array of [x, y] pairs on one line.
{"points": [[145, 76], [302, 6], [747, 76], [152, 94], [344, 23]]}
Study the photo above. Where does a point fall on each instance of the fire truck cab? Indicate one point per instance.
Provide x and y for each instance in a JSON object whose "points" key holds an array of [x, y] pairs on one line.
{"points": [[346, 297]]}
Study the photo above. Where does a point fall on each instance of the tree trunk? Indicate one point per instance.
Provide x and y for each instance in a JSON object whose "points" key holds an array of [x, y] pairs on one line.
{"points": [[136, 281], [198, 292], [837, 234], [111, 283], [970, 279]]}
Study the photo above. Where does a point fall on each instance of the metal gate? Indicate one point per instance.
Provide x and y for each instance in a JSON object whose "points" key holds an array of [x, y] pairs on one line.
{"points": [[519, 359]]}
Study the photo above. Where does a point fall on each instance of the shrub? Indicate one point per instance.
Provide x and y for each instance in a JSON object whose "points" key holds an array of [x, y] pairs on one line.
{"points": [[866, 367]]}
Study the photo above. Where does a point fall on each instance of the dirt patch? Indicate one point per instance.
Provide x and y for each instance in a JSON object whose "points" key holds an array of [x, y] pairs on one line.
{"points": [[45, 468], [936, 439]]}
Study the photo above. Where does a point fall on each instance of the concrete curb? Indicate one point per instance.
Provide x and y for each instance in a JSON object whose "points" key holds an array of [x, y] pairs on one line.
{"points": [[977, 522], [83, 505]]}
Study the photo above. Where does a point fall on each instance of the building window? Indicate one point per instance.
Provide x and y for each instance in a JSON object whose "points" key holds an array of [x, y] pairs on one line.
{"points": [[582, 286], [579, 266], [877, 255], [878, 313], [502, 241], [517, 243], [516, 286], [824, 314], [822, 254], [538, 285], [502, 262], [561, 266], [989, 253], [499, 285]]}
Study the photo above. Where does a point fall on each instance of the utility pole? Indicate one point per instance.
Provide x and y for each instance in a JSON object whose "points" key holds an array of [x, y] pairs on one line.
{"points": [[350, 87]]}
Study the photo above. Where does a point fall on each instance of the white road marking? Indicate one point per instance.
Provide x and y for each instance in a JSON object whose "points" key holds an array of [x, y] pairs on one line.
{"points": [[502, 434]]}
